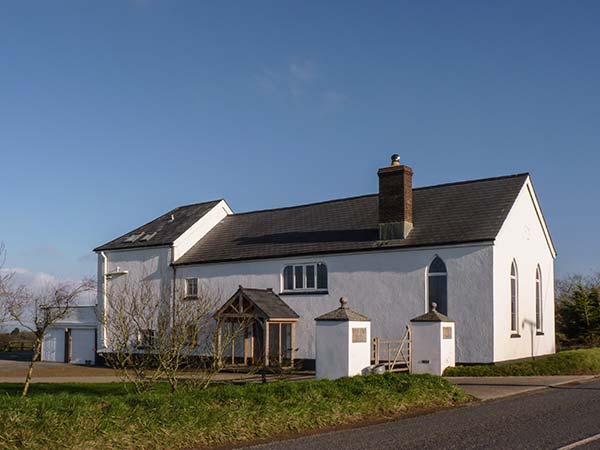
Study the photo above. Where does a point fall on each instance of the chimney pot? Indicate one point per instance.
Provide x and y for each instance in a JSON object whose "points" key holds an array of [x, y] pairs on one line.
{"points": [[395, 159]]}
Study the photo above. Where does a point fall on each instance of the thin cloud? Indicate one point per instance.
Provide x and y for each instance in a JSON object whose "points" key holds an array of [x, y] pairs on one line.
{"points": [[334, 101], [32, 280], [303, 71], [267, 82], [300, 82], [45, 251], [301, 75], [88, 257]]}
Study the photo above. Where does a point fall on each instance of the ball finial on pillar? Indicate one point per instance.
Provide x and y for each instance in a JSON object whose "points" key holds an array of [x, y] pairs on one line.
{"points": [[344, 302], [434, 306]]}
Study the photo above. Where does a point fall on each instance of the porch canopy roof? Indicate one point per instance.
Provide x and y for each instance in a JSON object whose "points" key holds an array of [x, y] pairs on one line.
{"points": [[256, 303]]}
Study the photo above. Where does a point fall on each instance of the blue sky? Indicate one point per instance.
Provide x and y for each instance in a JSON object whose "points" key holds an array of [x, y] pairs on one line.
{"points": [[114, 112]]}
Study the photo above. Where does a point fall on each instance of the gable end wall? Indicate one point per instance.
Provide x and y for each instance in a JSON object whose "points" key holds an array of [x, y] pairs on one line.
{"points": [[523, 238]]}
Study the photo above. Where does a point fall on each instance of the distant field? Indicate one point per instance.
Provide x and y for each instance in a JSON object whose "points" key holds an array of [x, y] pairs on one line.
{"points": [[22, 341], [570, 362], [110, 416]]}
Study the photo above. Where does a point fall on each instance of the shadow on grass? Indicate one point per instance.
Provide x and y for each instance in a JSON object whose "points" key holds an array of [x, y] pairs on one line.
{"points": [[88, 389]]}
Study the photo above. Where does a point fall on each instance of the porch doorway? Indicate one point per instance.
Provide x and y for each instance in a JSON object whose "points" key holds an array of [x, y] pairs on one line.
{"points": [[256, 327]]}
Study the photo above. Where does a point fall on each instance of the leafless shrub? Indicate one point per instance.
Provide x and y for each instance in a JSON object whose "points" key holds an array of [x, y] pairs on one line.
{"points": [[153, 335], [38, 311]]}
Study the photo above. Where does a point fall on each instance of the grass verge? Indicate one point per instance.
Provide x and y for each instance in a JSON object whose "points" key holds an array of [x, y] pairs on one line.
{"points": [[108, 416], [570, 362]]}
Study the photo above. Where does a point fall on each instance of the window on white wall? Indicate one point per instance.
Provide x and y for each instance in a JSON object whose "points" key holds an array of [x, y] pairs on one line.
{"points": [[539, 324], [514, 298], [437, 286], [191, 287], [309, 277], [146, 338]]}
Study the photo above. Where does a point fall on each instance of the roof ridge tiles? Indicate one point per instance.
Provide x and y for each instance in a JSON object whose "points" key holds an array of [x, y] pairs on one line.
{"points": [[355, 197]]}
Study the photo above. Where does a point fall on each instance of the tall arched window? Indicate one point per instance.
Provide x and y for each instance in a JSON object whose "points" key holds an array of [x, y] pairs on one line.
{"points": [[539, 323], [438, 285], [514, 298]]}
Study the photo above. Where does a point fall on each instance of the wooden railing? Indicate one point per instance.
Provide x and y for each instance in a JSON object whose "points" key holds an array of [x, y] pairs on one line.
{"points": [[393, 354]]}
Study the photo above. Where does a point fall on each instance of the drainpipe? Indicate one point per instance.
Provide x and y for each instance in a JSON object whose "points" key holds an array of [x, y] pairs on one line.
{"points": [[174, 285], [104, 296]]}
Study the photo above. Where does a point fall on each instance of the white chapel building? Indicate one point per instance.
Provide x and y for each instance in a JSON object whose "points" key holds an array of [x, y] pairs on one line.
{"points": [[480, 249]]}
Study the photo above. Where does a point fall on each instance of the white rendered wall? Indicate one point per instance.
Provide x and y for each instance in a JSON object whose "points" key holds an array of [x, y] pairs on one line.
{"points": [[53, 345], [425, 347], [523, 239], [430, 352], [151, 265], [336, 355], [83, 345], [331, 349], [448, 346], [389, 287], [359, 353]]}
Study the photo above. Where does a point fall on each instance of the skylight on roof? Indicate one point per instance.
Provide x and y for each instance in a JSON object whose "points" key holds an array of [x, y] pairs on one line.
{"points": [[133, 237], [148, 236]]}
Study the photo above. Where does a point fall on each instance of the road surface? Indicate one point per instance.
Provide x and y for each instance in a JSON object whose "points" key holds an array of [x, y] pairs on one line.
{"points": [[564, 417]]}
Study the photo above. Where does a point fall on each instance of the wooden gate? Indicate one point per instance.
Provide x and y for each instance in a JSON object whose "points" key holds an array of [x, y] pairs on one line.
{"points": [[393, 354]]}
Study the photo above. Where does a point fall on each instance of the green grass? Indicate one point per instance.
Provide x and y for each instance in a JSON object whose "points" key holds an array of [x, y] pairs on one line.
{"points": [[570, 362], [109, 416]]}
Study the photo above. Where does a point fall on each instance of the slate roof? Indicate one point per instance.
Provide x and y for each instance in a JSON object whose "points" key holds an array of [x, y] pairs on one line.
{"points": [[269, 303], [343, 314], [167, 231], [468, 211]]}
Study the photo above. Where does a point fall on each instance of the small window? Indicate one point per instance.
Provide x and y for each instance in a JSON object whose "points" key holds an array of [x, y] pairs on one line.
{"points": [[146, 338], [288, 278], [191, 287], [305, 277], [539, 325], [514, 298], [321, 276], [310, 277], [298, 277]]}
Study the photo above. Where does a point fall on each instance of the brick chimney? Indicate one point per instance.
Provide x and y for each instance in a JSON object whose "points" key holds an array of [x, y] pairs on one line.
{"points": [[395, 201]]}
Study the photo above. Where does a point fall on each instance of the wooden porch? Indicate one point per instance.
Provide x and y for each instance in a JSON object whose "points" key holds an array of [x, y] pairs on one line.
{"points": [[256, 328]]}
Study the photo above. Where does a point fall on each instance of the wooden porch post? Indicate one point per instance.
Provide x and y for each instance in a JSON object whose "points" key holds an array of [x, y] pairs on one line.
{"points": [[293, 342], [219, 329], [266, 343], [280, 356], [245, 345], [232, 336]]}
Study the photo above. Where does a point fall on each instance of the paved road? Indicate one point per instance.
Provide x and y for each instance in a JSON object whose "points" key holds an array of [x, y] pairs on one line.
{"points": [[549, 419], [493, 388]]}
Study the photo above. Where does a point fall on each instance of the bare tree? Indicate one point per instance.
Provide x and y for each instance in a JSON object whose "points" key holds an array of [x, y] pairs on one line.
{"points": [[128, 319], [153, 335], [38, 311], [5, 284]]}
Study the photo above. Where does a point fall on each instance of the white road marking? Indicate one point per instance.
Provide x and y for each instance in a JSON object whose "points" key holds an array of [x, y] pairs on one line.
{"points": [[581, 442]]}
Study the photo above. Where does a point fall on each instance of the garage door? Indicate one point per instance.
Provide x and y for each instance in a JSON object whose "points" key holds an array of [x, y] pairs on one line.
{"points": [[83, 345], [53, 346]]}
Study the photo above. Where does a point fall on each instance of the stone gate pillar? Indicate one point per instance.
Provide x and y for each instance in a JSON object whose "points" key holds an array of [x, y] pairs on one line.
{"points": [[343, 343], [433, 347]]}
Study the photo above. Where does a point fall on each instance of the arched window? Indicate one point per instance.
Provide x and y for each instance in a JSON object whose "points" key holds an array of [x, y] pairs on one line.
{"points": [[437, 286], [539, 324], [514, 298]]}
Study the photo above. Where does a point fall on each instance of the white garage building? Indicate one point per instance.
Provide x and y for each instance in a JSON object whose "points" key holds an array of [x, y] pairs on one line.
{"points": [[72, 339]]}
